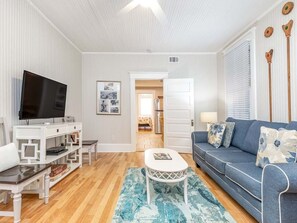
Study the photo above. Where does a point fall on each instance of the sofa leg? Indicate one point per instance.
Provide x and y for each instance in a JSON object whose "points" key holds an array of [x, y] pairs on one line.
{"points": [[197, 165]]}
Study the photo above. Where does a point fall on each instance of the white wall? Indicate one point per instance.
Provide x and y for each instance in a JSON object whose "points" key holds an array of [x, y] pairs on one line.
{"points": [[277, 42], [28, 41], [116, 129]]}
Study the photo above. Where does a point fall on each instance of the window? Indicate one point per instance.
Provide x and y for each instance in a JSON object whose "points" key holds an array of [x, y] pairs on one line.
{"points": [[237, 65], [145, 105]]}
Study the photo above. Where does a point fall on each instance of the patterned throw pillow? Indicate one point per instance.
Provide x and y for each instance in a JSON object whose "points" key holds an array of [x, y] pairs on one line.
{"points": [[228, 133], [216, 134], [276, 146]]}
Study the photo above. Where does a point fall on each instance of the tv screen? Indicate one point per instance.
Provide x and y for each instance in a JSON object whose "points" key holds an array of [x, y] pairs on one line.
{"points": [[41, 97]]}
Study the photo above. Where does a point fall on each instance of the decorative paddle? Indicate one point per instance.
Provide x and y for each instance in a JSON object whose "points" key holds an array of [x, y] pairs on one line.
{"points": [[287, 28], [268, 56]]}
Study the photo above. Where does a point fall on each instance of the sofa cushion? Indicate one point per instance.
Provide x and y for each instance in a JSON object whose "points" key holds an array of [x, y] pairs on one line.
{"points": [[201, 148], [219, 159], [291, 126], [240, 131], [247, 176], [251, 142]]}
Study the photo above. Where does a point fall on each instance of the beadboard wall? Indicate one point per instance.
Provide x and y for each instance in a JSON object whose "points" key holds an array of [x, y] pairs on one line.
{"points": [[277, 42], [29, 42]]}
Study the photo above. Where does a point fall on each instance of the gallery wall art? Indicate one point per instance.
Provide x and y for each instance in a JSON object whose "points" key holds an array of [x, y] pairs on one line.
{"points": [[108, 97]]}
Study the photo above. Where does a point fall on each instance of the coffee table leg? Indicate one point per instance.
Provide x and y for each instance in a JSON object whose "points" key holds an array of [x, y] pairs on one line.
{"points": [[186, 190], [90, 155], [147, 187], [46, 187], [17, 206]]}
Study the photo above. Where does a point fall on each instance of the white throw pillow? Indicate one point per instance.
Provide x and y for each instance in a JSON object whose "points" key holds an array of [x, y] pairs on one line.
{"points": [[9, 157], [276, 146]]}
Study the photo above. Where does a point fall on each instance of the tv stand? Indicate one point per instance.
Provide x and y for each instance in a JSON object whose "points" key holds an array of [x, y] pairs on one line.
{"points": [[33, 140]]}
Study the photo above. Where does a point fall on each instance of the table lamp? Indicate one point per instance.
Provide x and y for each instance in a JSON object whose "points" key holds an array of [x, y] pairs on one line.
{"points": [[209, 118]]}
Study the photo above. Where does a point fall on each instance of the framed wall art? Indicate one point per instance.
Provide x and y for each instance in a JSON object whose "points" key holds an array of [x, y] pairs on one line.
{"points": [[108, 98]]}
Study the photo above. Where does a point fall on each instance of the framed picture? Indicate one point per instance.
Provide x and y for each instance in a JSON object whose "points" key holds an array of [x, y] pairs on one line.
{"points": [[108, 97]]}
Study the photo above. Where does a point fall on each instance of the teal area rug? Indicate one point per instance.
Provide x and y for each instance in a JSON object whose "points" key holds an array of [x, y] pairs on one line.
{"points": [[167, 202]]}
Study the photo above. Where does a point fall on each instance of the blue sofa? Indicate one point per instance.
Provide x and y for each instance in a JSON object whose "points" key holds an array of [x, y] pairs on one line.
{"points": [[269, 194]]}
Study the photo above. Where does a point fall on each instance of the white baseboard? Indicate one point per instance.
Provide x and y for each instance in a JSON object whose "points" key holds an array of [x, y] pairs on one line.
{"points": [[112, 148]]}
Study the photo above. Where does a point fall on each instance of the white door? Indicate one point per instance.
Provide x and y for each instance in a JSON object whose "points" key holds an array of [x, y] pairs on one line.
{"points": [[178, 114]]}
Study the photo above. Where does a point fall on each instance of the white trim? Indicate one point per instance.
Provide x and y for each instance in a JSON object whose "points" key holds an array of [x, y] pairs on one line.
{"points": [[247, 36], [243, 172], [112, 148], [279, 196], [250, 25], [53, 25], [197, 154], [233, 190], [156, 53], [214, 167], [148, 75], [250, 193], [134, 75]]}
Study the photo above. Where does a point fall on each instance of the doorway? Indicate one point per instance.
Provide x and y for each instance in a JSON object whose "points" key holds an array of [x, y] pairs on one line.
{"points": [[149, 118], [136, 76]]}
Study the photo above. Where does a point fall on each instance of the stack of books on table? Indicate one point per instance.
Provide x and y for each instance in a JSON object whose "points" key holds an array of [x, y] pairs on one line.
{"points": [[58, 170]]}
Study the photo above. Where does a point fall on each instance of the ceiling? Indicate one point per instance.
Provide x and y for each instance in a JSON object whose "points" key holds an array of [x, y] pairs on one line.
{"points": [[192, 25]]}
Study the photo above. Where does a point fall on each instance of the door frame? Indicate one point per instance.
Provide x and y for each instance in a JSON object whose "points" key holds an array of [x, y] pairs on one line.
{"points": [[140, 76]]}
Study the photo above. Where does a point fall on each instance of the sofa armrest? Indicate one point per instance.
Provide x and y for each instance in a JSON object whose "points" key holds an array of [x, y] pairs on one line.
{"points": [[279, 193], [199, 136]]}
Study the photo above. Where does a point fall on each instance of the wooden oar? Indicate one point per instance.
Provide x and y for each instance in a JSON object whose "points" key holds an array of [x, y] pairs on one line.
{"points": [[268, 56], [287, 28]]}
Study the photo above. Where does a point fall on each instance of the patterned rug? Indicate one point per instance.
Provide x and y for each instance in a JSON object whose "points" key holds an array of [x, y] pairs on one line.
{"points": [[167, 202]]}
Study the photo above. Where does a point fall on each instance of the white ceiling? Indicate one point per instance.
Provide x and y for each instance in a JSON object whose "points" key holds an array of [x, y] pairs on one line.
{"points": [[193, 25]]}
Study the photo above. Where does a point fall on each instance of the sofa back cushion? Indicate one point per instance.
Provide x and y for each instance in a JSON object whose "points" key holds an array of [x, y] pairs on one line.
{"points": [[240, 131], [251, 142], [291, 126]]}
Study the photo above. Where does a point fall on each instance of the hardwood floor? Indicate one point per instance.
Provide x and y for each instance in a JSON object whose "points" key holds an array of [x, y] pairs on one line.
{"points": [[148, 139], [90, 193]]}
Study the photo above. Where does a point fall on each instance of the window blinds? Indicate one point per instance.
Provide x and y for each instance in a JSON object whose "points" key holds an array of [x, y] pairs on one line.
{"points": [[237, 65]]}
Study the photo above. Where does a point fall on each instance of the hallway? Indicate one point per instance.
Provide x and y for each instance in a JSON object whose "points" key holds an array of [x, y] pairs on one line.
{"points": [[148, 139]]}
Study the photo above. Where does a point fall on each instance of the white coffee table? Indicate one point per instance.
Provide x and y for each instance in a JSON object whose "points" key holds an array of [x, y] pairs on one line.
{"points": [[166, 171]]}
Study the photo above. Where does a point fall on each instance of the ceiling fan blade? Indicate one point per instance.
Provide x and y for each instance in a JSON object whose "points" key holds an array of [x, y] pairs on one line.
{"points": [[159, 13], [129, 7]]}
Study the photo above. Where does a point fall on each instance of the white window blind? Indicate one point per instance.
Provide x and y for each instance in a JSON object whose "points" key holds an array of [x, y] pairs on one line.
{"points": [[237, 65]]}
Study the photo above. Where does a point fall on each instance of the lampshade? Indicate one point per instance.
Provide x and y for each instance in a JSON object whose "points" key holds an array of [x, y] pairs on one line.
{"points": [[209, 117]]}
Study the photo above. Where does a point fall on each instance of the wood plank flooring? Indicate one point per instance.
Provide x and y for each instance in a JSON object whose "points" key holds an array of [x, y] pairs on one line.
{"points": [[148, 139], [90, 193]]}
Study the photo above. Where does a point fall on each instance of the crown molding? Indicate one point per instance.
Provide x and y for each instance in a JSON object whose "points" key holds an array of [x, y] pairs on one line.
{"points": [[147, 54], [250, 25]]}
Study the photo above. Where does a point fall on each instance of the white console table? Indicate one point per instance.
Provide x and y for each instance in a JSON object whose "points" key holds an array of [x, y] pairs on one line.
{"points": [[33, 140]]}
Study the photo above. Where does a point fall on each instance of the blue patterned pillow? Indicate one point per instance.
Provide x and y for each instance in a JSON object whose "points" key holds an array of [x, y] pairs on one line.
{"points": [[228, 133], [276, 146], [216, 134]]}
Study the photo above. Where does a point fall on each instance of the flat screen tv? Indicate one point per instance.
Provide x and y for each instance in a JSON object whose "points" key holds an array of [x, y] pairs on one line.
{"points": [[41, 97]]}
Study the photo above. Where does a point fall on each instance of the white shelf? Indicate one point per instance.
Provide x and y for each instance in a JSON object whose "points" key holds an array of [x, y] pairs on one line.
{"points": [[73, 166], [53, 158], [35, 136]]}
